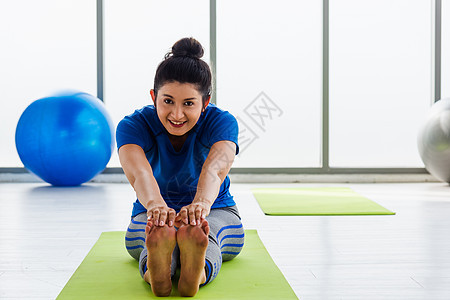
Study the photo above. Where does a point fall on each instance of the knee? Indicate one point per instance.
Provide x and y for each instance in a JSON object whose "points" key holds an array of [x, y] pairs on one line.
{"points": [[232, 246], [135, 239]]}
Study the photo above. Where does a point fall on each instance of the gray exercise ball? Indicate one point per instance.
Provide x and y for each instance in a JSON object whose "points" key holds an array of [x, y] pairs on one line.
{"points": [[434, 140]]}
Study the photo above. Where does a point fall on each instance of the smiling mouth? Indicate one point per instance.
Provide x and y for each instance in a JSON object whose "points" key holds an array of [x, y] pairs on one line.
{"points": [[177, 124]]}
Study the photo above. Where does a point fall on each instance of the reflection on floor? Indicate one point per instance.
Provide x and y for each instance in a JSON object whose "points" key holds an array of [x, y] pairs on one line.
{"points": [[47, 231]]}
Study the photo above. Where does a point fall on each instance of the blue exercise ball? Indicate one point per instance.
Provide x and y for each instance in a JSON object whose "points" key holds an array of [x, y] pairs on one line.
{"points": [[434, 140], [65, 139]]}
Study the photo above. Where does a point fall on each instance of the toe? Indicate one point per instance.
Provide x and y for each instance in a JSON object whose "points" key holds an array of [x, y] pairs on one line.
{"points": [[205, 227]]}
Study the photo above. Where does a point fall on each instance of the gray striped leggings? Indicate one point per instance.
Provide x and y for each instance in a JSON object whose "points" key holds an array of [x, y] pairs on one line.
{"points": [[226, 239]]}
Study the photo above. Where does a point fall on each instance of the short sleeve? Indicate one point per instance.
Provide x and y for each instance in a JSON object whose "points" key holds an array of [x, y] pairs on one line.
{"points": [[224, 128], [131, 130]]}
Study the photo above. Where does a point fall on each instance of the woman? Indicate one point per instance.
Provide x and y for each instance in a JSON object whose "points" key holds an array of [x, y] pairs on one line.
{"points": [[177, 154]]}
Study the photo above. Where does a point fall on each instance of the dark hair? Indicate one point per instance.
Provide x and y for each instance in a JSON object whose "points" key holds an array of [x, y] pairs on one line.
{"points": [[183, 64]]}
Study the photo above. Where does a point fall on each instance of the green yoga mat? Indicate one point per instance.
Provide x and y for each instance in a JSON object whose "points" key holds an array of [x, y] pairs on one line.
{"points": [[108, 272], [326, 201]]}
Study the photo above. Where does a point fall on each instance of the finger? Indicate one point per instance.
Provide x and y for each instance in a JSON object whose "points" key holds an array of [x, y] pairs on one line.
{"points": [[178, 221], [192, 216], [205, 213], [156, 213], [162, 218], [198, 213], [171, 217], [178, 217], [184, 216]]}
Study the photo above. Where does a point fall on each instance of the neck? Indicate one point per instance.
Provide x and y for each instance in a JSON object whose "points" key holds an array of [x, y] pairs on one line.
{"points": [[177, 137]]}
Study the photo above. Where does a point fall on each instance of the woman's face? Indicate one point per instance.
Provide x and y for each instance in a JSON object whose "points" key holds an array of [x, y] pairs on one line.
{"points": [[179, 106]]}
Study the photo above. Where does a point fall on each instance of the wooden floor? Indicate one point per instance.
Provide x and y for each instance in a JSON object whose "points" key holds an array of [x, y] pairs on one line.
{"points": [[45, 232]]}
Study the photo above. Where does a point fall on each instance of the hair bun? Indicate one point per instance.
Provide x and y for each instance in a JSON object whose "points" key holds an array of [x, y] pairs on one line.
{"points": [[187, 47]]}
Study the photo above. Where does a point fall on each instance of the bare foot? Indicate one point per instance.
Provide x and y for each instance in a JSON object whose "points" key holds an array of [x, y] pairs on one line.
{"points": [[193, 241], [160, 243]]}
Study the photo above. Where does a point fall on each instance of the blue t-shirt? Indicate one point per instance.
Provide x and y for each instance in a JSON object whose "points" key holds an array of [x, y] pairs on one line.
{"points": [[177, 173]]}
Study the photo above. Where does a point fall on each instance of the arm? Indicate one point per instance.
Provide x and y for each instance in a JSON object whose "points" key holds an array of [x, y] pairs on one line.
{"points": [[214, 170], [140, 175]]}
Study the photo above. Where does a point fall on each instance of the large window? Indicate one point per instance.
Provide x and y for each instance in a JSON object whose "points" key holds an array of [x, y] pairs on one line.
{"points": [[47, 46], [380, 81], [137, 36], [445, 82], [269, 75], [268, 58]]}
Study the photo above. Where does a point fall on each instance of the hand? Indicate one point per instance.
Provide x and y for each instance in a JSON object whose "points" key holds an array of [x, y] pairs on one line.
{"points": [[161, 215], [192, 214]]}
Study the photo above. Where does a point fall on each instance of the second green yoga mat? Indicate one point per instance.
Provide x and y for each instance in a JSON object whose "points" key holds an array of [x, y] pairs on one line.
{"points": [[108, 272], [315, 202]]}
